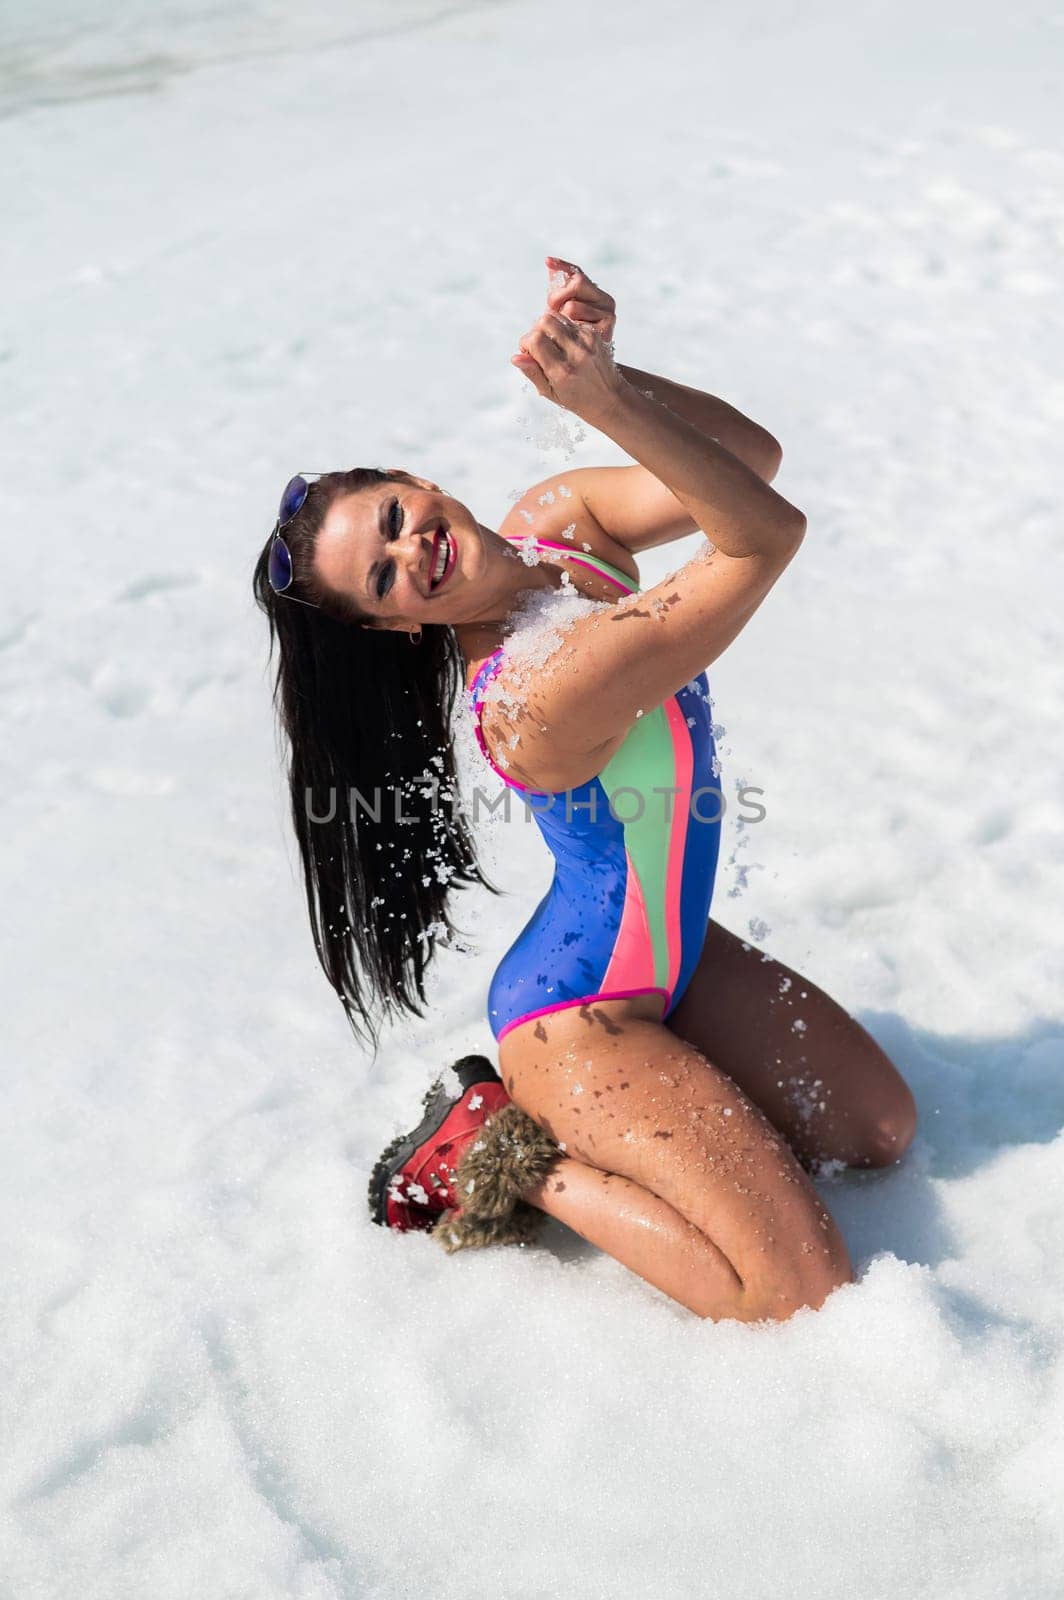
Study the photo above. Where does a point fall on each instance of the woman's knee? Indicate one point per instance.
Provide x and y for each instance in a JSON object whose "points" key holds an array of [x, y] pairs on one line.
{"points": [[890, 1130], [797, 1267], [777, 1295]]}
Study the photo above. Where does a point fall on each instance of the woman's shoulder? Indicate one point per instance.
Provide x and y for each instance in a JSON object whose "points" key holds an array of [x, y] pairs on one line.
{"points": [[533, 755], [554, 509]]}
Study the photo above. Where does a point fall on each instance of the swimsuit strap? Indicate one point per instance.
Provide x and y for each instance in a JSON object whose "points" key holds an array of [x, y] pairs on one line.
{"points": [[583, 558], [485, 673], [487, 669]]}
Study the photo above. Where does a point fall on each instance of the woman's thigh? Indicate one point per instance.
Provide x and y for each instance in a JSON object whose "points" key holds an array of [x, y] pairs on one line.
{"points": [[623, 1094], [816, 1073]]}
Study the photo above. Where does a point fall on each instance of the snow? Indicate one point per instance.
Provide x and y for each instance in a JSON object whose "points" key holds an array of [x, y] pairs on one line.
{"points": [[246, 240]]}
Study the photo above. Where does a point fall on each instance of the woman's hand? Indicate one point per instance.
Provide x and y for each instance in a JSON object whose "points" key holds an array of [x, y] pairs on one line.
{"points": [[575, 296], [568, 355], [568, 362]]}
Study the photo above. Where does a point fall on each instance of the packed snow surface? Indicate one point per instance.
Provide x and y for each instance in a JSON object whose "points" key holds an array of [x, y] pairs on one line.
{"points": [[245, 240]]}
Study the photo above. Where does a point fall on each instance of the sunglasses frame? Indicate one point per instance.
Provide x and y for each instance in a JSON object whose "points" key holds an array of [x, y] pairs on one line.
{"points": [[275, 538]]}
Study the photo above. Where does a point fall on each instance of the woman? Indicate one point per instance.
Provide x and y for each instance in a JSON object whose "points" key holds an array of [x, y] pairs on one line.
{"points": [[665, 1088]]}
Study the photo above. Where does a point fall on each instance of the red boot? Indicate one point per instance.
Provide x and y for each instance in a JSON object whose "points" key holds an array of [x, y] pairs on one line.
{"points": [[469, 1160]]}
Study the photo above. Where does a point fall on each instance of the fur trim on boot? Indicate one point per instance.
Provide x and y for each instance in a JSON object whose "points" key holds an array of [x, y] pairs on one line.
{"points": [[456, 1231], [511, 1155]]}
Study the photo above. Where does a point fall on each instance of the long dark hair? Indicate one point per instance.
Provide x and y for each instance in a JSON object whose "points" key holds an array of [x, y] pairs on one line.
{"points": [[366, 717]]}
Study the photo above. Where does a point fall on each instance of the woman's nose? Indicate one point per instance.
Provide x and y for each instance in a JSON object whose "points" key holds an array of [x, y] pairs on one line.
{"points": [[414, 550]]}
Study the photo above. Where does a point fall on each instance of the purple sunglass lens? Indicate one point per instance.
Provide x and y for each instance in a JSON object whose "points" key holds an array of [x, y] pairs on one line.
{"points": [[280, 568], [295, 493]]}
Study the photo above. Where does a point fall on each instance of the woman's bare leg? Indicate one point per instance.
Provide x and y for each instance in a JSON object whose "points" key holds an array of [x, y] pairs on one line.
{"points": [[672, 1170], [819, 1077], [648, 1235]]}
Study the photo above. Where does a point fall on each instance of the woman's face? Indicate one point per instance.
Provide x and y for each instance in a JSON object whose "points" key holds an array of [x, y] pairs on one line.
{"points": [[406, 554]]}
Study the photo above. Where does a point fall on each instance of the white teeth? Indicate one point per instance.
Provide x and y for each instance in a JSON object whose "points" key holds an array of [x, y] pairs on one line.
{"points": [[441, 558]]}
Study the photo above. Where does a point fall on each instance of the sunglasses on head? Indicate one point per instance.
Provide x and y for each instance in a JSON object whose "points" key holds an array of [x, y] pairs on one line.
{"points": [[279, 570]]}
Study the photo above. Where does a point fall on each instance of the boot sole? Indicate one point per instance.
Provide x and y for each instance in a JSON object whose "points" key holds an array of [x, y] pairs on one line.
{"points": [[438, 1103]]}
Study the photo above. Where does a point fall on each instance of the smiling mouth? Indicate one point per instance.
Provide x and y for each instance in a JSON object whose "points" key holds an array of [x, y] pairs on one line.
{"points": [[443, 557]]}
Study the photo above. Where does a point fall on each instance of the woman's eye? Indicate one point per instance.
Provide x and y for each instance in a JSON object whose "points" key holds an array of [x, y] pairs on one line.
{"points": [[385, 575]]}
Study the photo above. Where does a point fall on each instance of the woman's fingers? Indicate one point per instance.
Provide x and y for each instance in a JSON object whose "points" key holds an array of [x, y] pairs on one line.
{"points": [[579, 292], [557, 326], [577, 310], [544, 352], [548, 339], [553, 341], [581, 311], [576, 279], [572, 292], [570, 361], [556, 264], [530, 368], [578, 285]]}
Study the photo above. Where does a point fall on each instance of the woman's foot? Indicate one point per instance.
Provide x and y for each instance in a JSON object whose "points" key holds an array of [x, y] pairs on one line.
{"points": [[412, 1183]]}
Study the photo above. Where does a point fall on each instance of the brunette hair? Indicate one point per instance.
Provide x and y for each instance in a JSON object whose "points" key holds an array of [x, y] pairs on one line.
{"points": [[366, 719]]}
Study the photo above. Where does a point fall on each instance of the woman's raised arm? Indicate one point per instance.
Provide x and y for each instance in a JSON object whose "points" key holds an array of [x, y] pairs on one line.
{"points": [[634, 507], [568, 363], [748, 440], [624, 661]]}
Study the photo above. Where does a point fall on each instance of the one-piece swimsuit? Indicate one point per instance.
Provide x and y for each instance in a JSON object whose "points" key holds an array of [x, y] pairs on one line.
{"points": [[635, 851]]}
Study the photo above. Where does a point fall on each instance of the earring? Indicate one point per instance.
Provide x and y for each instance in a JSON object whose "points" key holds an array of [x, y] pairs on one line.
{"points": [[413, 640]]}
